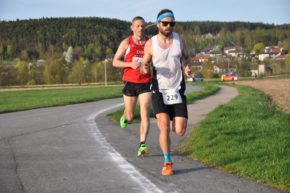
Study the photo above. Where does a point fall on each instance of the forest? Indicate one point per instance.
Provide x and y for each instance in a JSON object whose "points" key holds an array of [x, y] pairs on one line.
{"points": [[77, 50]]}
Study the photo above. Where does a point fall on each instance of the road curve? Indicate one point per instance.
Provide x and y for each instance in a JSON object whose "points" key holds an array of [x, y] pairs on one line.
{"points": [[75, 149]]}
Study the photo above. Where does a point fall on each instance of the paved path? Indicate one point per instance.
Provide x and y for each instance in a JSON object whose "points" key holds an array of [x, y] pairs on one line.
{"points": [[76, 149], [190, 176], [201, 108]]}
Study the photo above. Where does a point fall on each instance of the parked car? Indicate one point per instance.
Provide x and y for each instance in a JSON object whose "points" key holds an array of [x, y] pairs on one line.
{"points": [[197, 78], [190, 79], [230, 76]]}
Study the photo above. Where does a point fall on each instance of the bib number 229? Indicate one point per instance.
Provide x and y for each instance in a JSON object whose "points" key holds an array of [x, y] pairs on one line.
{"points": [[171, 97]]}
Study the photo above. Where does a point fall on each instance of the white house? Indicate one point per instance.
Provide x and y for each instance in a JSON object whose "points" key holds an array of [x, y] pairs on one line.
{"points": [[262, 57]]}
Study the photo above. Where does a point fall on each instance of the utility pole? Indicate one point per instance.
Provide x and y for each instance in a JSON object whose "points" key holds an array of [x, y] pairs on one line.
{"points": [[228, 64], [106, 60]]}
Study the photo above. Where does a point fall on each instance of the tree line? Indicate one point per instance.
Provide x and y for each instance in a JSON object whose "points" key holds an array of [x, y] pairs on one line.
{"points": [[73, 50]]}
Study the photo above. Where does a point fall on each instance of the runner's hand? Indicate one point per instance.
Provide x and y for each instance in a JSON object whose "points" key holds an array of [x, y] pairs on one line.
{"points": [[144, 68], [187, 71], [135, 65]]}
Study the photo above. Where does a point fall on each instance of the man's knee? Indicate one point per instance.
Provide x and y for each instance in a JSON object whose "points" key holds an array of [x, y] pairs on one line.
{"points": [[163, 126], [180, 132], [180, 127]]}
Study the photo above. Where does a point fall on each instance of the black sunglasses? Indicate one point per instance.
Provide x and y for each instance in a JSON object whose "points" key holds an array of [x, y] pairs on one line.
{"points": [[165, 23]]}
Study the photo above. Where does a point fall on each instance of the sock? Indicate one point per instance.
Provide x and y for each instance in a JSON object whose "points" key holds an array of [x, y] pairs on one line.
{"points": [[125, 120], [142, 142], [167, 157]]}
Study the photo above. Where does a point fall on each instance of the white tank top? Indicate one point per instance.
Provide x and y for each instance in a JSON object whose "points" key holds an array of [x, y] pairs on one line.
{"points": [[167, 63]]}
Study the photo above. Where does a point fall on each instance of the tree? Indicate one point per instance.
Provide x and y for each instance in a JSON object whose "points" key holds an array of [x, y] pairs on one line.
{"points": [[77, 74], [286, 44], [109, 51], [196, 30], [69, 55], [10, 50], [259, 48], [98, 51], [244, 67], [24, 55], [89, 51], [2, 51], [53, 71], [97, 72], [21, 72], [31, 74], [288, 59], [7, 75], [207, 69]]}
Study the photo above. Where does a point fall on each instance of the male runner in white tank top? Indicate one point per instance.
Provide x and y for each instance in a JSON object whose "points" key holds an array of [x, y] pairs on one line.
{"points": [[168, 53]]}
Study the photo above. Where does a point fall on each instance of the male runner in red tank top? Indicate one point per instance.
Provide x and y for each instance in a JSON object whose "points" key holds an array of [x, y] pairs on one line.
{"points": [[137, 86]]}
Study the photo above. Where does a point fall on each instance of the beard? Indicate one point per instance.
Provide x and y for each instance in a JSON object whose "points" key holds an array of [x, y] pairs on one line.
{"points": [[166, 33]]}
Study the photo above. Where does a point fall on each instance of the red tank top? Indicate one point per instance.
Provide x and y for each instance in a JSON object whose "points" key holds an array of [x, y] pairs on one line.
{"points": [[135, 52]]}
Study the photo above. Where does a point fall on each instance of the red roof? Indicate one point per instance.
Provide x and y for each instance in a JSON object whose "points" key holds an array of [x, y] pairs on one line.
{"points": [[275, 49], [200, 57]]}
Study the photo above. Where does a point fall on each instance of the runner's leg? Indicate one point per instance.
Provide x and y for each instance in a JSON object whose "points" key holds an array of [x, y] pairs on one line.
{"points": [[144, 101], [163, 122], [130, 105], [179, 125]]}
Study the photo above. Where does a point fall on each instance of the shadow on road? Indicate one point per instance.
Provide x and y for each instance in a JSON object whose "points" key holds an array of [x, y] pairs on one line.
{"points": [[188, 170]]}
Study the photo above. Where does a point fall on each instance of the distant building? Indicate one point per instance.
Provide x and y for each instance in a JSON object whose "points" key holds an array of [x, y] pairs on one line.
{"points": [[233, 51], [263, 57], [272, 50], [280, 57], [254, 73], [40, 62], [200, 58], [261, 69]]}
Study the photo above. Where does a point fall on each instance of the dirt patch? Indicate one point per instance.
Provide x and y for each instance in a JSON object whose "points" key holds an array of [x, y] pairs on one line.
{"points": [[278, 90]]}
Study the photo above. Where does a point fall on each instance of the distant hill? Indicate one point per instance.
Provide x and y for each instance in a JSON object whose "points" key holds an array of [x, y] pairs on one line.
{"points": [[40, 38], [39, 35], [72, 50]]}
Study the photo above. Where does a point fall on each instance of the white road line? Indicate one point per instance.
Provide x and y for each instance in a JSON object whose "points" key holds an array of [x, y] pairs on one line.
{"points": [[145, 184]]}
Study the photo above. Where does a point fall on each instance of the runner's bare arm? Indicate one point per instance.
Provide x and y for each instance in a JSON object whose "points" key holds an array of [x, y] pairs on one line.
{"points": [[147, 57], [118, 60], [186, 59]]}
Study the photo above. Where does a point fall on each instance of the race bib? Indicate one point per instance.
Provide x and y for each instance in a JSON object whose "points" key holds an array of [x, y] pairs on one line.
{"points": [[137, 59], [171, 96]]}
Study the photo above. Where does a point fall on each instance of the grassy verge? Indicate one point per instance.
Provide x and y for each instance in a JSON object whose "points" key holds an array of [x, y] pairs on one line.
{"points": [[6, 62], [207, 90], [11, 101], [249, 137]]}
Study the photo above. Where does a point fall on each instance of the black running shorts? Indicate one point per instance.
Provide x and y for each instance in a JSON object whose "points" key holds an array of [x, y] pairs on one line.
{"points": [[177, 110], [134, 89]]}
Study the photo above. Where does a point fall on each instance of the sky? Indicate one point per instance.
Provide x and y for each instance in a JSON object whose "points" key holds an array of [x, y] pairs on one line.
{"points": [[266, 11]]}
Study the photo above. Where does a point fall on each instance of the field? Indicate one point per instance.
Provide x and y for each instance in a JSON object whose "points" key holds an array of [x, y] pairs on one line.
{"points": [[17, 99], [277, 90]]}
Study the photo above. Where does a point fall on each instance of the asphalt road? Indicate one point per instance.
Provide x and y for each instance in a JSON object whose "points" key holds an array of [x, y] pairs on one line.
{"points": [[75, 149]]}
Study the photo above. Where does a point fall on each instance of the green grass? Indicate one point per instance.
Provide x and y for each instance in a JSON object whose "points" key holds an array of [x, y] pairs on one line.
{"points": [[11, 101], [249, 137], [207, 90], [6, 62]]}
